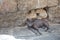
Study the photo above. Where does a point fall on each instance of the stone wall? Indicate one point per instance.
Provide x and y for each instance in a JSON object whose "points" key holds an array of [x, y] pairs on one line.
{"points": [[14, 12]]}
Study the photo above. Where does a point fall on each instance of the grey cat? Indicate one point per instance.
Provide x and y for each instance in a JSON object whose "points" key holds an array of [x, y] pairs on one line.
{"points": [[36, 24]]}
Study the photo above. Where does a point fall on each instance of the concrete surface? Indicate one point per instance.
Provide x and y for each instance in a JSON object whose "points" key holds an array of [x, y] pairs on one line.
{"points": [[22, 33]]}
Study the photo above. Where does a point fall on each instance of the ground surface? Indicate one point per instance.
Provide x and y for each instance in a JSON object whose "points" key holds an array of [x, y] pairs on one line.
{"points": [[24, 33]]}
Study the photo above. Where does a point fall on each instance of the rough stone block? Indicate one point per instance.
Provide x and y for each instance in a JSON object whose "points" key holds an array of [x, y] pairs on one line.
{"points": [[25, 5], [11, 19], [59, 2], [52, 2], [54, 14], [8, 5]]}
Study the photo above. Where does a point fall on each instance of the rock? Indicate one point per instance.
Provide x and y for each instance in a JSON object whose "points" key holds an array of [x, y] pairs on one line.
{"points": [[52, 3], [11, 19], [41, 3], [26, 5], [6, 19], [8, 5], [59, 2], [54, 14]]}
